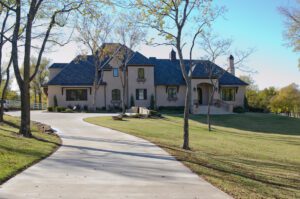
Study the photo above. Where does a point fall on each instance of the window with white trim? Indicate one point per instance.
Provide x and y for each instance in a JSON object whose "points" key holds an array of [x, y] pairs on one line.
{"points": [[228, 94], [76, 95], [141, 94]]}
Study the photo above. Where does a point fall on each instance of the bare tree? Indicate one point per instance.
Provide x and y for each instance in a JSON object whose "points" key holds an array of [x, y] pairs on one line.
{"points": [[44, 16], [130, 34], [173, 21], [292, 34], [94, 31], [216, 47]]}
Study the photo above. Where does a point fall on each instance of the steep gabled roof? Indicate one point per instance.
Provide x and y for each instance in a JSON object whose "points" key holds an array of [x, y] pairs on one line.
{"points": [[139, 59], [58, 65], [78, 72], [168, 72], [81, 70]]}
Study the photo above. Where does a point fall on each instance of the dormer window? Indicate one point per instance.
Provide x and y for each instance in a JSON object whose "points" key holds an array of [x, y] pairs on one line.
{"points": [[116, 72]]}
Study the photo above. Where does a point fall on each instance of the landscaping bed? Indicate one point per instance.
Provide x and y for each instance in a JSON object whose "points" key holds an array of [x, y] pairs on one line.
{"points": [[18, 153], [246, 155]]}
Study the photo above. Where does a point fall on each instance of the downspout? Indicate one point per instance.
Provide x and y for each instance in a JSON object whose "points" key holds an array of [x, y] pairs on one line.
{"points": [[105, 97], [155, 94], [127, 87]]}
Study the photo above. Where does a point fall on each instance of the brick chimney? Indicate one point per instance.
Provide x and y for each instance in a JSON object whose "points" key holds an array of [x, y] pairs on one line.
{"points": [[172, 55], [231, 65]]}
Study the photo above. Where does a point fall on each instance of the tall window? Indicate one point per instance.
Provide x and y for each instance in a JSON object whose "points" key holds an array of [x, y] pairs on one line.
{"points": [[76, 94], [141, 73], [172, 93], [116, 72], [228, 94], [116, 95], [141, 94]]}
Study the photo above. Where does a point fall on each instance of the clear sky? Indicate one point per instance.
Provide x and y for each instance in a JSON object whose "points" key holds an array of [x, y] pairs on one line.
{"points": [[250, 23]]}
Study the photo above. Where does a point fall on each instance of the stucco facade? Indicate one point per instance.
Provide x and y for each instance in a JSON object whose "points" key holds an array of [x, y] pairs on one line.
{"points": [[161, 79], [147, 83]]}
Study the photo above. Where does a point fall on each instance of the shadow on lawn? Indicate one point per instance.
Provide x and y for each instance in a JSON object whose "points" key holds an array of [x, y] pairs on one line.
{"points": [[256, 122]]}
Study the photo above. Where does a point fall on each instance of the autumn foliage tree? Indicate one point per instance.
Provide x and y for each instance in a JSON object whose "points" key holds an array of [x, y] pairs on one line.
{"points": [[287, 101]]}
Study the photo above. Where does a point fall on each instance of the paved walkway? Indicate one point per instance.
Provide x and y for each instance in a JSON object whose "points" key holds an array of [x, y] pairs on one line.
{"points": [[96, 162]]}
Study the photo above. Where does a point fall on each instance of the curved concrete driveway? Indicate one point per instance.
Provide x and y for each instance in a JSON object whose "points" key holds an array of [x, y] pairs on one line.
{"points": [[96, 162]]}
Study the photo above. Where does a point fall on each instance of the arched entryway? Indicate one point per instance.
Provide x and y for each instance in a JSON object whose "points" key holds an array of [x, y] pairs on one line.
{"points": [[203, 92]]}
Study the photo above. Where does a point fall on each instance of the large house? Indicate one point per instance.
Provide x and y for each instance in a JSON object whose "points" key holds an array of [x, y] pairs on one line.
{"points": [[160, 79]]}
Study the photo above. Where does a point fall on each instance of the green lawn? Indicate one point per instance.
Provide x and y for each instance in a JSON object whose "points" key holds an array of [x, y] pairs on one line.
{"points": [[247, 155], [17, 152]]}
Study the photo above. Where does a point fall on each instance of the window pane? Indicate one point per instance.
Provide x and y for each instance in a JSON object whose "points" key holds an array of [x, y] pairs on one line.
{"points": [[228, 94], [116, 95], [172, 92], [76, 94], [141, 73], [141, 94], [115, 72]]}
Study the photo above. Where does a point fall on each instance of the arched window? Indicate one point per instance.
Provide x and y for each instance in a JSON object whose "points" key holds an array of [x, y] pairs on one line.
{"points": [[116, 95]]}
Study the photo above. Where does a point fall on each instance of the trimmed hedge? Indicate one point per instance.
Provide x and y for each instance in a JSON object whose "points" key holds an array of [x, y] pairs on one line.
{"points": [[60, 109]]}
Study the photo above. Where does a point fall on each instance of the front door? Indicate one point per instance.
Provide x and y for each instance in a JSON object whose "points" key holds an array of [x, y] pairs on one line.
{"points": [[200, 96]]}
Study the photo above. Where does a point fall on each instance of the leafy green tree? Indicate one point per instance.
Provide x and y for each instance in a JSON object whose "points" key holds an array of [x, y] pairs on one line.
{"points": [[287, 101], [258, 100], [36, 20], [40, 79]]}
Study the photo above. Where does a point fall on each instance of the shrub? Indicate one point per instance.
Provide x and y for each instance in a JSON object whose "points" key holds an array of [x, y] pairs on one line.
{"points": [[60, 109], [256, 110], [68, 110], [155, 113], [152, 102], [55, 101], [85, 108], [238, 109], [132, 101], [77, 108], [50, 109]]}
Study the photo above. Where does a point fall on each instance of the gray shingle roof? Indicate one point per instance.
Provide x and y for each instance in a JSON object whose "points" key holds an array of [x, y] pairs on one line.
{"points": [[139, 59], [166, 72], [58, 65], [78, 72]]}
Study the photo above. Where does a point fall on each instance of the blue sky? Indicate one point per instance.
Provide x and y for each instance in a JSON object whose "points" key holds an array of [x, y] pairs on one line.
{"points": [[251, 23]]}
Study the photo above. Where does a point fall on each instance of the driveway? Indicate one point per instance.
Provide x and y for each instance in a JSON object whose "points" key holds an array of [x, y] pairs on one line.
{"points": [[97, 162]]}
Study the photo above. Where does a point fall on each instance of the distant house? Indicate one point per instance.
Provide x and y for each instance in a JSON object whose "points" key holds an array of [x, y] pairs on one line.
{"points": [[72, 83]]}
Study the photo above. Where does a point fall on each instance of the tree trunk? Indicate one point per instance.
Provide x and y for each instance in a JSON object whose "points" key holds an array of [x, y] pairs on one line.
{"points": [[187, 104], [4, 90], [25, 111], [40, 97], [210, 101]]}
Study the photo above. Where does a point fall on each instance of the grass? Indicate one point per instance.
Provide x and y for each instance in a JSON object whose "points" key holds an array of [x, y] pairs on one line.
{"points": [[246, 155], [17, 153]]}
